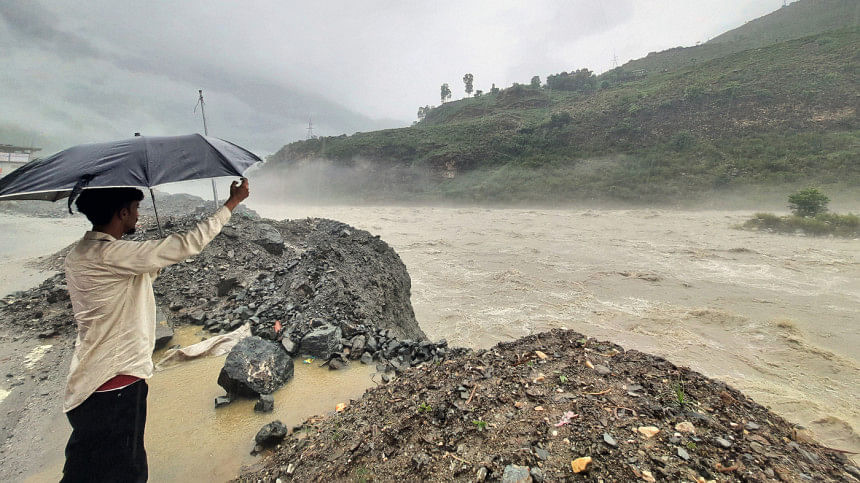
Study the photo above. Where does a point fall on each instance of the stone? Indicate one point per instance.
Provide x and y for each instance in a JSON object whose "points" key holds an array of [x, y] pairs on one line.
{"points": [[685, 427], [271, 434], [481, 474], [225, 285], [291, 347], [722, 442], [367, 358], [751, 426], [516, 474], [265, 404], [542, 454], [336, 364], [255, 366], [357, 343], [222, 401], [608, 439], [322, 342], [602, 370], [648, 431], [580, 464], [682, 453], [163, 329], [537, 475], [270, 239]]}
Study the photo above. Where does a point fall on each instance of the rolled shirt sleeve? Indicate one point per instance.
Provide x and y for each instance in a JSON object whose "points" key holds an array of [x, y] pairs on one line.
{"points": [[134, 258]]}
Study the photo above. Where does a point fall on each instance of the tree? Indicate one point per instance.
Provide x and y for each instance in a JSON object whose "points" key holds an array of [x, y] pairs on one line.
{"points": [[535, 81], [582, 80], [494, 89], [468, 79], [423, 111], [445, 92], [808, 202], [478, 93]]}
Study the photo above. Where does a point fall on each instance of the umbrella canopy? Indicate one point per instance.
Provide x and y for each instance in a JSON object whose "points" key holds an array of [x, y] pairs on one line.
{"points": [[139, 162]]}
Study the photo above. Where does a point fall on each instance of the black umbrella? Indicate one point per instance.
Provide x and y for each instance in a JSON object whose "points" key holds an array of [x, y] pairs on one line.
{"points": [[139, 162]]}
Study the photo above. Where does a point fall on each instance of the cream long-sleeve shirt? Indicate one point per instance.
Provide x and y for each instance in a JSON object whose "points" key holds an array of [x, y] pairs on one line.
{"points": [[110, 285]]}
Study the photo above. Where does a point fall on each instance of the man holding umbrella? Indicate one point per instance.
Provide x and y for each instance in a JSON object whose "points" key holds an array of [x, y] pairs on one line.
{"points": [[110, 286]]}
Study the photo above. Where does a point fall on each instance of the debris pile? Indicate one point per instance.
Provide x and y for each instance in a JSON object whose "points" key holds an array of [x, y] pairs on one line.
{"points": [[552, 406]]}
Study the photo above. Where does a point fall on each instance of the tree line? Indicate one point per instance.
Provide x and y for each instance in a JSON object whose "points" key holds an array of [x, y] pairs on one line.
{"points": [[581, 80]]}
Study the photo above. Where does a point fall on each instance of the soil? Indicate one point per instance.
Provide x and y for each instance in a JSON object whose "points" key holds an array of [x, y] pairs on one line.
{"points": [[475, 415]]}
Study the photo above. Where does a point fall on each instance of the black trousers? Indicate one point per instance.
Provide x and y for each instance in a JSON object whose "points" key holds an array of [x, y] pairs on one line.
{"points": [[107, 437]]}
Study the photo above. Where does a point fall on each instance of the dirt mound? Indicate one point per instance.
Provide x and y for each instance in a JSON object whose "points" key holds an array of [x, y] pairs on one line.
{"points": [[297, 274], [530, 408]]}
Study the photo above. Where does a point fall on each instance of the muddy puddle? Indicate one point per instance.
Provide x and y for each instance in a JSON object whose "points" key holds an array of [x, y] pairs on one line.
{"points": [[187, 439]]}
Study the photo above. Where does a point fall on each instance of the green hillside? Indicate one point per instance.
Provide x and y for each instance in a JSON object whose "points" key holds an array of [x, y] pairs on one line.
{"points": [[799, 19], [784, 114]]}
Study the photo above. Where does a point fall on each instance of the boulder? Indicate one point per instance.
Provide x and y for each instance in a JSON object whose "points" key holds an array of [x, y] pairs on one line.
{"points": [[270, 239], [357, 343], [322, 342], [255, 366], [270, 434]]}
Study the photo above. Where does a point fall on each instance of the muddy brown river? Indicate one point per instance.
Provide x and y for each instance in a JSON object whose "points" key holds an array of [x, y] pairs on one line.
{"points": [[776, 316]]}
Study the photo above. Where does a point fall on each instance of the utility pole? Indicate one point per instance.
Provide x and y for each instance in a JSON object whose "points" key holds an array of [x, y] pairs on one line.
{"points": [[206, 133]]}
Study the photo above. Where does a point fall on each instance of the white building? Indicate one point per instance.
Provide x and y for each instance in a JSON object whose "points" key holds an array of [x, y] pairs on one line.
{"points": [[13, 157]]}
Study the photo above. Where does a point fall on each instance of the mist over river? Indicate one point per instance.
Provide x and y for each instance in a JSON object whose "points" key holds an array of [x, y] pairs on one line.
{"points": [[776, 316]]}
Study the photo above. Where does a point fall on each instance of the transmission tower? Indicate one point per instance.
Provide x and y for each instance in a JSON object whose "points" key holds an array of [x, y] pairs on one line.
{"points": [[310, 129], [614, 60]]}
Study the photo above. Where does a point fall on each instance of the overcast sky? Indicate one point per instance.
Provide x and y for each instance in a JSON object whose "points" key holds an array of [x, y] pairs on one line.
{"points": [[75, 72]]}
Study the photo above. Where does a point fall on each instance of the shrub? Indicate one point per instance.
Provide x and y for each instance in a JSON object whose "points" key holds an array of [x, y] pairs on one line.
{"points": [[808, 202]]}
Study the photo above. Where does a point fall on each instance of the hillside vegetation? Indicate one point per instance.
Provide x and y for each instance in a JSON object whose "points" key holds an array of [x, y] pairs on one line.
{"points": [[784, 114]]}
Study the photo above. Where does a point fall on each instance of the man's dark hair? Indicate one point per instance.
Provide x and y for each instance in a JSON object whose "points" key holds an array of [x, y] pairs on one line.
{"points": [[100, 204]]}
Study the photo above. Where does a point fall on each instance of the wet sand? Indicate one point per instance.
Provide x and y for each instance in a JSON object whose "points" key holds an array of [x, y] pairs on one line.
{"points": [[776, 316]]}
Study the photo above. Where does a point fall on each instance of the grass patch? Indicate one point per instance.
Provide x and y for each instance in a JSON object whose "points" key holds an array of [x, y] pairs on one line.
{"points": [[823, 224]]}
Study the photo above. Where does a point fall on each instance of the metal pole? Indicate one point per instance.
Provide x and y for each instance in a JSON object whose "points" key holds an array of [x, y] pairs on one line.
{"points": [[206, 133], [152, 197]]}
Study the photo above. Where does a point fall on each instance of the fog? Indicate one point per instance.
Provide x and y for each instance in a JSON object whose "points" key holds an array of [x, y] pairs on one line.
{"points": [[103, 70]]}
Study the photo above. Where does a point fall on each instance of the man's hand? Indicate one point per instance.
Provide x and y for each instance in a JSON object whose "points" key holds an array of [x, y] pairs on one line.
{"points": [[238, 193]]}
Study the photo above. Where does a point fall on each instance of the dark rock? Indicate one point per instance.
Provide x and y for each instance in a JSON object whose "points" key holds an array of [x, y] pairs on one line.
{"points": [[265, 404], [223, 401], [336, 364], [255, 366], [367, 358], [271, 434], [386, 378], [225, 285], [322, 342], [270, 239], [542, 454], [357, 343], [537, 475]]}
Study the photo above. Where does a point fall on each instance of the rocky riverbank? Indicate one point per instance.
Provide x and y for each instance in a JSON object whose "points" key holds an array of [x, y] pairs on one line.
{"points": [[552, 406]]}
